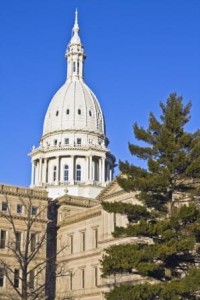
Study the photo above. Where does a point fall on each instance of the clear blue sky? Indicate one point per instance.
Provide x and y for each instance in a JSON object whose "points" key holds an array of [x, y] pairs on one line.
{"points": [[138, 52]]}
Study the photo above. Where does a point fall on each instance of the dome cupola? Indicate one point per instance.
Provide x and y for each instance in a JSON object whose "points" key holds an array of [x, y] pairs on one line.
{"points": [[73, 148]]}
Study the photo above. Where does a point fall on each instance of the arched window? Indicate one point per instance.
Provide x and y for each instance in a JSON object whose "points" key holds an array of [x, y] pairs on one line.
{"points": [[66, 173], [79, 111], [54, 173], [78, 173], [67, 111], [74, 66]]}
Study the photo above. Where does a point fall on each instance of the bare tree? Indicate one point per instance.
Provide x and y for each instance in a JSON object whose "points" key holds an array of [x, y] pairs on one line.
{"points": [[30, 270]]}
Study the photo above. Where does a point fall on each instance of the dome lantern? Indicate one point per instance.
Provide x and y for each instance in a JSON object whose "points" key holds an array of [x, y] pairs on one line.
{"points": [[75, 54]]}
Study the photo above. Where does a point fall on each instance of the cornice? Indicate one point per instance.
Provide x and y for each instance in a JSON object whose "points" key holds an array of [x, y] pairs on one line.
{"points": [[73, 148], [91, 213], [80, 255], [25, 192], [77, 201], [22, 218]]}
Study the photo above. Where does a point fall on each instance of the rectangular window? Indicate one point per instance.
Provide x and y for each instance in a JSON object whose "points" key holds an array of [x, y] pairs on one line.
{"points": [[66, 141], [34, 210], [83, 240], [1, 277], [83, 278], [95, 237], [78, 141], [16, 278], [95, 276], [19, 208], [3, 239], [33, 241], [18, 240], [71, 244], [54, 173], [31, 279], [4, 206]]}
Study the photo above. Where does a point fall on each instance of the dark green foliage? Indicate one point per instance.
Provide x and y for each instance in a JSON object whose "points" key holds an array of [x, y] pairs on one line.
{"points": [[167, 250], [134, 212]]}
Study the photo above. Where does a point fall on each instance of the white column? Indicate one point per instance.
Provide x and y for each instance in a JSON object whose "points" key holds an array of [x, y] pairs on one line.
{"points": [[37, 173], [57, 169], [44, 171], [91, 173], [40, 171], [110, 172], [86, 168], [100, 170], [71, 171], [103, 170], [33, 173]]}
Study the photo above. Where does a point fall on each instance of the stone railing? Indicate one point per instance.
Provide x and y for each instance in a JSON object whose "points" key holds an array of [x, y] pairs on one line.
{"points": [[11, 189]]}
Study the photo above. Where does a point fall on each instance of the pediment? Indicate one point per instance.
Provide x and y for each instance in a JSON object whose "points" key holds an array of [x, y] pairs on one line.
{"points": [[112, 189]]}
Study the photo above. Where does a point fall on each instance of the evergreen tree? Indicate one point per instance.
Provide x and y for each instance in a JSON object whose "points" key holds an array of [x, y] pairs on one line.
{"points": [[168, 257]]}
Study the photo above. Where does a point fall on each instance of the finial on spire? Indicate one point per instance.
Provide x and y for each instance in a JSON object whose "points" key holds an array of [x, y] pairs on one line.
{"points": [[76, 27], [76, 16]]}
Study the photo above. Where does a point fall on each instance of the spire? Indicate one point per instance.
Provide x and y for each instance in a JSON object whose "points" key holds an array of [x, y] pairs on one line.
{"points": [[76, 27], [75, 54]]}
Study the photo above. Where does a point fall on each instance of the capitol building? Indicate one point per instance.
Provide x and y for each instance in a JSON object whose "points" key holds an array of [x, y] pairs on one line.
{"points": [[72, 173]]}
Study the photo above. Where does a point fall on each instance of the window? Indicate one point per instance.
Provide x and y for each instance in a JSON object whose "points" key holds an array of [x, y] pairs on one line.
{"points": [[90, 113], [4, 206], [78, 173], [67, 112], [71, 238], [78, 66], [95, 276], [31, 279], [83, 278], [66, 173], [34, 210], [79, 111], [96, 170], [3, 239], [33, 241], [66, 141], [78, 141], [74, 66], [16, 278], [55, 142], [1, 277], [95, 237], [19, 208], [57, 113], [18, 236], [54, 173], [83, 240]]}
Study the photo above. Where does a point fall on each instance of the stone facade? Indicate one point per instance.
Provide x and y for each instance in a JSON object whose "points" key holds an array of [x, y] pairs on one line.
{"points": [[23, 226]]}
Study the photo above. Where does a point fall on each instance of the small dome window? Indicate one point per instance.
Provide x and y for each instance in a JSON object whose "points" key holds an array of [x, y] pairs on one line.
{"points": [[57, 113], [90, 113], [67, 112], [79, 111]]}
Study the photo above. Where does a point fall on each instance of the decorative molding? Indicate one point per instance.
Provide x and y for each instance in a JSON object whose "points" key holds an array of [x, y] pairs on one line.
{"points": [[26, 192], [91, 213]]}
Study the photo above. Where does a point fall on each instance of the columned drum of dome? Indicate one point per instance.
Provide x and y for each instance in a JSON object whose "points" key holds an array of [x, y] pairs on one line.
{"points": [[73, 156]]}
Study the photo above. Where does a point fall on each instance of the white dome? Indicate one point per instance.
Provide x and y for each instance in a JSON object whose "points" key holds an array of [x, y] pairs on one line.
{"points": [[74, 107]]}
